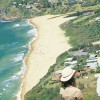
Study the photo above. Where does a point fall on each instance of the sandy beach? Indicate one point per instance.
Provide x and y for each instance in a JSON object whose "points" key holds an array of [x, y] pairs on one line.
{"points": [[50, 43]]}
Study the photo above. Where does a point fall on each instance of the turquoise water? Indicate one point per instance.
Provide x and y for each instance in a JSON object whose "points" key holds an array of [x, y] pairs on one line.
{"points": [[14, 39]]}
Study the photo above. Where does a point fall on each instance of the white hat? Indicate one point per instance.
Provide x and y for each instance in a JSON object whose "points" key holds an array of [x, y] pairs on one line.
{"points": [[67, 74]]}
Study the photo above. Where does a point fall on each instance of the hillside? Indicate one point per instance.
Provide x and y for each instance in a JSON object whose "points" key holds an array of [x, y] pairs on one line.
{"points": [[16, 9], [48, 89], [82, 31], [85, 29]]}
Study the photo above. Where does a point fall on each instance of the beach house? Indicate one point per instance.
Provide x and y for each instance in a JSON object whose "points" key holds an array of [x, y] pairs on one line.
{"points": [[56, 76], [69, 62], [92, 61]]}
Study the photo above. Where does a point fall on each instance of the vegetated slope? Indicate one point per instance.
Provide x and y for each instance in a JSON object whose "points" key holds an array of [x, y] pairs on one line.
{"points": [[15, 9], [83, 30], [47, 89]]}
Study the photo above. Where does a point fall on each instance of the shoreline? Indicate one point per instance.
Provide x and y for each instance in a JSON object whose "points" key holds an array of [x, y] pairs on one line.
{"points": [[39, 50], [25, 59]]}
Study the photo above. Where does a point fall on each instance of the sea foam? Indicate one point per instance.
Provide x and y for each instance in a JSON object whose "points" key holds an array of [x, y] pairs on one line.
{"points": [[16, 25], [35, 34], [4, 21], [26, 24], [23, 70], [18, 57], [14, 43], [25, 46], [31, 32], [14, 77], [2, 70]]}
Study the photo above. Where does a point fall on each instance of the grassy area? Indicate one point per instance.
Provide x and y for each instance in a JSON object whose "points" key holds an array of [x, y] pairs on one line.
{"points": [[89, 90], [51, 90], [92, 7], [80, 19], [47, 89], [83, 30]]}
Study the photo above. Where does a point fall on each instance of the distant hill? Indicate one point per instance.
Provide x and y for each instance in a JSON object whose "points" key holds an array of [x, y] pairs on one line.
{"points": [[15, 9]]}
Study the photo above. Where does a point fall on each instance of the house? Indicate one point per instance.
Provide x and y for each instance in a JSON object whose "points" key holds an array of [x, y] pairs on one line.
{"points": [[56, 76], [71, 0], [20, 4], [88, 13], [28, 7], [53, 1], [14, 3], [92, 61], [73, 62], [97, 19], [70, 64], [92, 65], [81, 73], [98, 60], [92, 56], [78, 53], [69, 59], [37, 5], [66, 64]]}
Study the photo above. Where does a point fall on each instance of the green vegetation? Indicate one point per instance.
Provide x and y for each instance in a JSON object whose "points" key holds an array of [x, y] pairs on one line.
{"points": [[47, 89], [82, 32], [31, 8]]}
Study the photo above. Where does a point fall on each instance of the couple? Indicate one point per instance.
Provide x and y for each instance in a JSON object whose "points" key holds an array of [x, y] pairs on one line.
{"points": [[68, 89]]}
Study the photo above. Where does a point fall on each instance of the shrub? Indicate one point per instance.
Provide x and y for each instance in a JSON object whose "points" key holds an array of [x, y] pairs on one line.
{"points": [[81, 86]]}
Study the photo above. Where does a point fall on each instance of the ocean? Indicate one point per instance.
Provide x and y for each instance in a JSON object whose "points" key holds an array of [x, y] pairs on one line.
{"points": [[14, 39]]}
